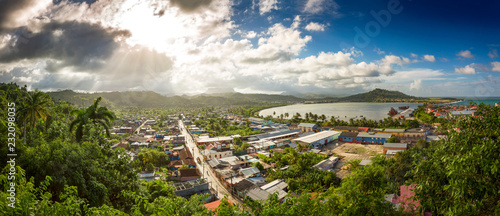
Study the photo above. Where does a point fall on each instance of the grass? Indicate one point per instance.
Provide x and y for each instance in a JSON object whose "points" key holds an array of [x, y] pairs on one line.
{"points": [[359, 150]]}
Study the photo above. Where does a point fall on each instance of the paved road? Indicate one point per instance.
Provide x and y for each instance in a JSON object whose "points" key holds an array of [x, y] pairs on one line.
{"points": [[137, 129], [204, 168]]}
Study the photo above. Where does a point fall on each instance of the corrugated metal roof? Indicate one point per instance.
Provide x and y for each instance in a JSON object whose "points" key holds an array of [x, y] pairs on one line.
{"points": [[391, 130], [375, 135], [258, 194], [310, 125], [250, 171], [393, 151], [395, 145], [317, 136], [278, 134]]}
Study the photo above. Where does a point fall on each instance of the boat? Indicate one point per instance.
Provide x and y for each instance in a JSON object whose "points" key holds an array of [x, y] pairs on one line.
{"points": [[403, 107], [392, 112]]}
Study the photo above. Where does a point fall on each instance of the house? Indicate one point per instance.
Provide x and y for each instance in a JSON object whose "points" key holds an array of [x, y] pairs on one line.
{"points": [[395, 146], [327, 164], [394, 132], [250, 172], [257, 121], [407, 200], [349, 137], [350, 129], [179, 139], [210, 153], [307, 127], [276, 186], [188, 174], [241, 188], [372, 138], [212, 206], [250, 150], [259, 181], [211, 140], [258, 194], [119, 145], [392, 152], [146, 175], [216, 163], [279, 135], [318, 139], [463, 112], [365, 163]]}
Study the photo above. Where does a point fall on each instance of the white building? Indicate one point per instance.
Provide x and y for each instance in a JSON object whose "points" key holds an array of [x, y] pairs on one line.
{"points": [[319, 139]]}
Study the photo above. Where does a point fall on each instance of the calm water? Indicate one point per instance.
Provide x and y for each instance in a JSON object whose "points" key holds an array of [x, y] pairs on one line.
{"points": [[487, 101], [344, 111]]}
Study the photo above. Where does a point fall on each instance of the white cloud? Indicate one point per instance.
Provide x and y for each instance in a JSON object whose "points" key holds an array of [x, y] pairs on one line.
{"points": [[495, 66], [378, 51], [250, 34], [430, 58], [469, 69], [319, 6], [267, 5], [194, 46], [465, 54], [417, 85], [493, 53], [413, 55], [313, 26]]}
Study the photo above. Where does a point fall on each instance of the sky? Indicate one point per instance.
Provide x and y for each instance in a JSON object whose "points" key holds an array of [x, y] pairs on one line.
{"points": [[330, 47]]}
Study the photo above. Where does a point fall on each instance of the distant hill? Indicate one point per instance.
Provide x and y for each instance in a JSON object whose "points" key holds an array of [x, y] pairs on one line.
{"points": [[154, 100], [150, 99], [378, 95]]}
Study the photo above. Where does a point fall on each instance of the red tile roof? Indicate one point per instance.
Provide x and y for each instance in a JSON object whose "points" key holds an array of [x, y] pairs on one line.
{"points": [[214, 205]]}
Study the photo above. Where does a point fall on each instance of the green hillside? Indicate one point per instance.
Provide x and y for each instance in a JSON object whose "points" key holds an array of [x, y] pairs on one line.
{"points": [[154, 100], [378, 95]]}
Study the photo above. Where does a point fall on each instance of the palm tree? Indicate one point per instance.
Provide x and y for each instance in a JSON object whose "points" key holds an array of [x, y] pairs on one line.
{"points": [[33, 109], [94, 115]]}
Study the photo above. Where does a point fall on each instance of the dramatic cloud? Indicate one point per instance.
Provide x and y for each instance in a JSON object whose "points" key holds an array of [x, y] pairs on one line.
{"points": [[190, 5], [16, 13], [469, 69], [495, 66], [430, 58], [313, 26], [189, 47], [267, 5], [78, 45], [465, 54], [493, 54]]}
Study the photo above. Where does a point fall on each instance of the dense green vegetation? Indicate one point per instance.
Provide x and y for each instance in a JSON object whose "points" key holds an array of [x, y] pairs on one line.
{"points": [[299, 175], [222, 127], [378, 95], [148, 99], [56, 174]]}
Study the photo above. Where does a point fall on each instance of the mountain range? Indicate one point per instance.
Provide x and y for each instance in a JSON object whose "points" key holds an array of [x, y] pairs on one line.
{"points": [[155, 100]]}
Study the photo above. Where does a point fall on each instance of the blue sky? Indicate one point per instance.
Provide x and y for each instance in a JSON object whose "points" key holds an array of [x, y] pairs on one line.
{"points": [[425, 48]]}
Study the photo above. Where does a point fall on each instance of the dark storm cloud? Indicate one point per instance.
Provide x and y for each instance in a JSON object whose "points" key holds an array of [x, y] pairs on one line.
{"points": [[8, 9], [190, 5], [79, 45]]}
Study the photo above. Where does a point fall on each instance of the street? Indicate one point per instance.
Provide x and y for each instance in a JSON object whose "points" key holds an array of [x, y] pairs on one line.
{"points": [[204, 167]]}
